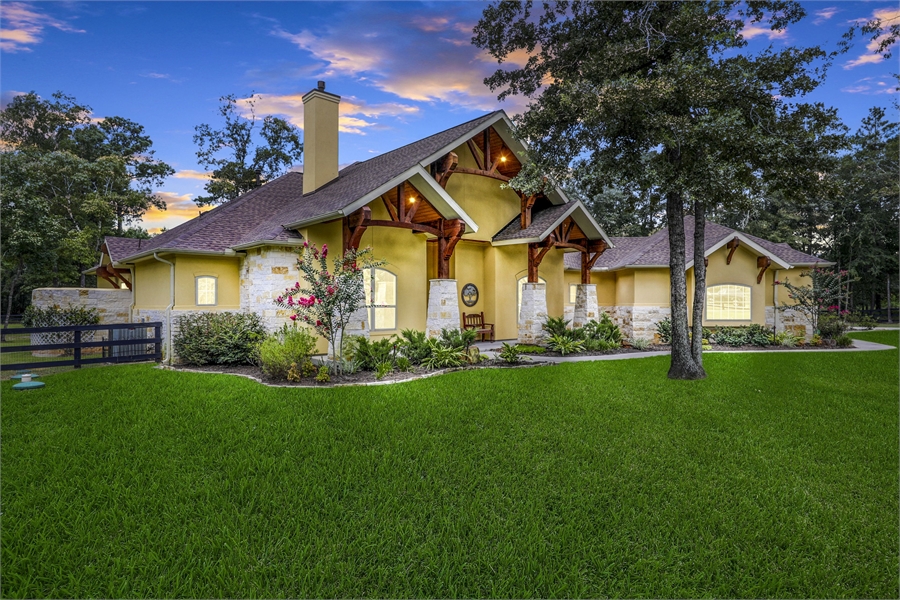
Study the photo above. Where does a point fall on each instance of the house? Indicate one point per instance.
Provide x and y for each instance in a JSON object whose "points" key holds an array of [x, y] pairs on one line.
{"points": [[455, 240], [632, 280], [435, 210]]}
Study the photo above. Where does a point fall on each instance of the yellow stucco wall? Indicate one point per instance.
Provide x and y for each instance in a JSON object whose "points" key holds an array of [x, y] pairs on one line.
{"points": [[481, 197], [651, 287], [467, 266], [227, 272], [504, 265], [625, 287], [151, 286], [741, 271], [793, 276]]}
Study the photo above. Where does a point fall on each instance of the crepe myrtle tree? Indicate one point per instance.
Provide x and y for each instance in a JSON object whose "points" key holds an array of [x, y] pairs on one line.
{"points": [[331, 296], [822, 296]]}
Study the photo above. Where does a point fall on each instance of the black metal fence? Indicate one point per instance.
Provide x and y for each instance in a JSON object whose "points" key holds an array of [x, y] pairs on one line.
{"points": [[77, 345]]}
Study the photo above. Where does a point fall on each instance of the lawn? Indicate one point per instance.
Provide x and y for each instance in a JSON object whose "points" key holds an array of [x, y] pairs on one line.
{"points": [[775, 477]]}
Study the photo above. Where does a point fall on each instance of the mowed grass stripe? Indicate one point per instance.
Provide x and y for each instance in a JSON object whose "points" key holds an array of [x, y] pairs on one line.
{"points": [[777, 476]]}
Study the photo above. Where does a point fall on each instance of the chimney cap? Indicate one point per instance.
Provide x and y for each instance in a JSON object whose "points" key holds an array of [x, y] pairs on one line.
{"points": [[320, 85]]}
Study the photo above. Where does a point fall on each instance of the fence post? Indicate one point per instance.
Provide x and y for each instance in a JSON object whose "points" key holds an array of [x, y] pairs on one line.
{"points": [[77, 348], [157, 345]]}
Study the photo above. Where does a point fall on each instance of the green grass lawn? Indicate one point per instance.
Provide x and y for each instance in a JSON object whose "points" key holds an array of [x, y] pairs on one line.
{"points": [[775, 477]]}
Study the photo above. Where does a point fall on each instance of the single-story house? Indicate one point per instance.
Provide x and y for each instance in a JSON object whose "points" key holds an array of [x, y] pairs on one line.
{"points": [[455, 240]]}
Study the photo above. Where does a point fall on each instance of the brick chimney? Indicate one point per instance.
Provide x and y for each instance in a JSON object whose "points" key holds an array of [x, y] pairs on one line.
{"points": [[320, 138]]}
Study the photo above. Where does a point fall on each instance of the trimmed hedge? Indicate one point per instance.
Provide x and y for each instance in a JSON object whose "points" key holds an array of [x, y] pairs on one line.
{"points": [[226, 338]]}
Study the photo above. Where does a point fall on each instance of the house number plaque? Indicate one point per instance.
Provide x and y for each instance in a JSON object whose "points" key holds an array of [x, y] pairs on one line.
{"points": [[469, 294]]}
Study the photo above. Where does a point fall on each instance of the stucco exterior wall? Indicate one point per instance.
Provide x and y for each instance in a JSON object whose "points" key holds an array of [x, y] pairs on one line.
{"points": [[151, 284], [652, 287], [741, 271], [468, 266], [482, 198], [225, 270], [113, 305], [504, 265]]}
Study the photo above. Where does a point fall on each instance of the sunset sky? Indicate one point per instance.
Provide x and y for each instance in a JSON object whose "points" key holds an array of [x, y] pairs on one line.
{"points": [[404, 70]]}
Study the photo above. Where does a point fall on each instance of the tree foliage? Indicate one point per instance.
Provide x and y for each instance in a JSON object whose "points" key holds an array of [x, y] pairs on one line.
{"points": [[238, 164], [664, 96], [66, 181]]}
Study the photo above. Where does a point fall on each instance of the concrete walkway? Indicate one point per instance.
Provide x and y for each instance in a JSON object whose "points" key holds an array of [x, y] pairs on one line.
{"points": [[491, 349]]}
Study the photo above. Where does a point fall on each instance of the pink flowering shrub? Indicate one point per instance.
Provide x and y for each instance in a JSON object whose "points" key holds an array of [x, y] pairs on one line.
{"points": [[329, 297], [821, 298]]}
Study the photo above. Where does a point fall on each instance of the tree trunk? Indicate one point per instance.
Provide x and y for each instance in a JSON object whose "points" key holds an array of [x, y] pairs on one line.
{"points": [[699, 284], [683, 365]]}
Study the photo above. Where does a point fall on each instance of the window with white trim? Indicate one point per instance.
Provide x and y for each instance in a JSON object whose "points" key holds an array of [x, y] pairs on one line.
{"points": [[728, 302], [523, 281], [381, 298], [206, 290]]}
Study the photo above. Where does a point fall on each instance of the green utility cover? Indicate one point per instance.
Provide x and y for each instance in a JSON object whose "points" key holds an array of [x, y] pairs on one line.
{"points": [[29, 385]]}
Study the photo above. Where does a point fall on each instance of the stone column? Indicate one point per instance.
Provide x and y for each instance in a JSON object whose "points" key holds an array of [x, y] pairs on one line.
{"points": [[443, 307], [358, 325], [585, 304], [533, 313]]}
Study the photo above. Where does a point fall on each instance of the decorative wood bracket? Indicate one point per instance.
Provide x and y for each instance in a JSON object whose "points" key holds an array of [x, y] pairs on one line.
{"points": [[763, 262], [589, 257], [536, 253], [732, 246], [120, 274], [355, 226], [525, 215], [449, 165]]}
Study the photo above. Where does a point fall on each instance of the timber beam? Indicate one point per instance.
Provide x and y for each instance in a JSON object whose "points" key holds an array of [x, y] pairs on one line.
{"points": [[589, 257], [120, 274], [103, 274], [525, 215], [732, 246], [763, 263], [449, 166], [355, 225], [450, 233], [536, 253], [483, 173]]}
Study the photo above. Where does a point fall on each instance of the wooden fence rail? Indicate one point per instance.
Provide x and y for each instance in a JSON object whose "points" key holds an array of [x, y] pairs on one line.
{"points": [[134, 347]]}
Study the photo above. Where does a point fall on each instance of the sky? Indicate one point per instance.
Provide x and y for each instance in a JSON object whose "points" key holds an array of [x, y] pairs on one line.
{"points": [[404, 70]]}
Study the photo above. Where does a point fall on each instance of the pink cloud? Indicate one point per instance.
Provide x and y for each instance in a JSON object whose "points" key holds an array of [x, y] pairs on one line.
{"points": [[179, 208], [23, 25], [752, 30]]}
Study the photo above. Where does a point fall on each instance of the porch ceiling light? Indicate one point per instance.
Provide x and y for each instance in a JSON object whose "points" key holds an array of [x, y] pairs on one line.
{"points": [[412, 199]]}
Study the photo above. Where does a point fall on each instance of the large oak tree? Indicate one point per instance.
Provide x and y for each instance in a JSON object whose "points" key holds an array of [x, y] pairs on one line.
{"points": [[613, 83]]}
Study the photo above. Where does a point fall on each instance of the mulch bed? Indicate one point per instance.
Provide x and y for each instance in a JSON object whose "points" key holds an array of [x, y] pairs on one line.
{"points": [[358, 378]]}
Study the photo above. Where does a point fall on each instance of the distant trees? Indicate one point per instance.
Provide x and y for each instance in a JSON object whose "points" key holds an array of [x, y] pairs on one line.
{"points": [[66, 181], [237, 162]]}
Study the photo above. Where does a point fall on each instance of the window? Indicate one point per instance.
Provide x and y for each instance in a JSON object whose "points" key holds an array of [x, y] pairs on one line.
{"points": [[206, 290], [381, 298], [573, 292], [728, 302], [523, 281]]}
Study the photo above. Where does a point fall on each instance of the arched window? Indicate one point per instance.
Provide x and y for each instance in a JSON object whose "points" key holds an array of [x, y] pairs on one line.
{"points": [[206, 288], [523, 281], [381, 298], [728, 302]]}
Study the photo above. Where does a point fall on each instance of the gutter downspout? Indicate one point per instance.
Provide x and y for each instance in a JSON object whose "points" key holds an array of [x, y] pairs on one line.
{"points": [[169, 307], [133, 297]]}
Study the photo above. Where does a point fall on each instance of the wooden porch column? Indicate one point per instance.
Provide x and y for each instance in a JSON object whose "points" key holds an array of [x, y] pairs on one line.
{"points": [[451, 232], [536, 253], [589, 257], [355, 226]]}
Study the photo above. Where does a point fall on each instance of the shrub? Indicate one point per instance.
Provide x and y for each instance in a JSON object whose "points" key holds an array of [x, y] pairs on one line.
{"points": [[368, 354], [383, 368], [558, 327], [414, 346], [604, 330], [530, 349], [323, 376], [288, 349], [753, 335], [640, 343], [511, 353], [474, 356], [844, 341], [293, 373], [664, 329], [403, 363], [55, 316], [757, 335], [458, 339], [786, 339], [816, 340], [863, 320], [599, 345], [226, 338], [443, 357], [564, 344], [831, 326]]}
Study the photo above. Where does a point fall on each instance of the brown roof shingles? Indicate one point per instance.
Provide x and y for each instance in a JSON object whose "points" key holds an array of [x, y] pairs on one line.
{"points": [[653, 250], [262, 215]]}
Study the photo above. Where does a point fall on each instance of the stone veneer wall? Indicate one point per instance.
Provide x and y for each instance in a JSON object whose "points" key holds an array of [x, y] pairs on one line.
{"points": [[113, 305], [644, 320], [586, 308], [443, 307], [793, 321], [265, 274], [533, 313]]}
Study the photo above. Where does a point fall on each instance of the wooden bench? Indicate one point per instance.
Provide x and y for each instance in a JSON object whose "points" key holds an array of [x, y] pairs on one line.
{"points": [[476, 321]]}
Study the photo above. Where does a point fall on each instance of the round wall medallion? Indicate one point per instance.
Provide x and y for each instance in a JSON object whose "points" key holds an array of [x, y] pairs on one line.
{"points": [[469, 294]]}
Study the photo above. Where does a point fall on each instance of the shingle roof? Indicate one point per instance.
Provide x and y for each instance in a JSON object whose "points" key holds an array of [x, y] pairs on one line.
{"points": [[653, 250], [119, 247], [262, 215], [540, 221]]}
